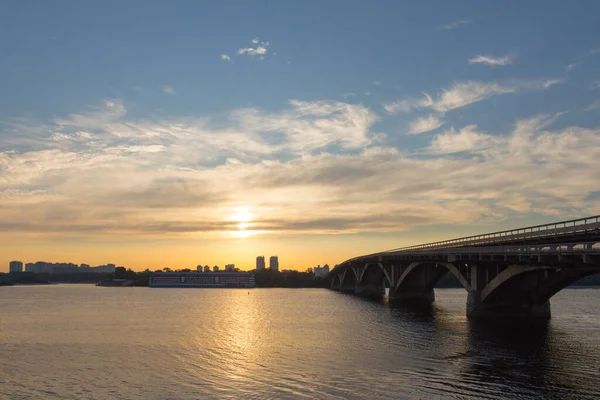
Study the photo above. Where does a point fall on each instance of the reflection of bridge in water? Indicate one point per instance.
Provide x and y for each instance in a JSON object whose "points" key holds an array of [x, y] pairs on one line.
{"points": [[508, 273]]}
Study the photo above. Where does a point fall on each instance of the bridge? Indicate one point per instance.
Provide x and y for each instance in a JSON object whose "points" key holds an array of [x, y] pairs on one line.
{"points": [[510, 273]]}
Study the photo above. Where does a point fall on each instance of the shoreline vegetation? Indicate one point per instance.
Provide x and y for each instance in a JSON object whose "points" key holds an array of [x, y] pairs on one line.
{"points": [[264, 279]]}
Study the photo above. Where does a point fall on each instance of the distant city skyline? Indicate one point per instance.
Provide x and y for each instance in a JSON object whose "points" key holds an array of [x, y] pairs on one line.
{"points": [[58, 267], [313, 130], [48, 266]]}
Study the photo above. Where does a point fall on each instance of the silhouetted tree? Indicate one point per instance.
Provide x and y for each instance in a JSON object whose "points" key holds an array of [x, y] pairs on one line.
{"points": [[120, 272]]}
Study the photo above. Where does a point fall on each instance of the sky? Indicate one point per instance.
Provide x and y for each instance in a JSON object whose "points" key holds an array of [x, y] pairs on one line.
{"points": [[170, 134]]}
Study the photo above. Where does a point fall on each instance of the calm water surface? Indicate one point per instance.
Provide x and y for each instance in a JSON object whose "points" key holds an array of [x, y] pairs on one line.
{"points": [[87, 342]]}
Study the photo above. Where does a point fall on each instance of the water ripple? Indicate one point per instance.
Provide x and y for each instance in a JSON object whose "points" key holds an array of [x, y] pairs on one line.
{"points": [[78, 341]]}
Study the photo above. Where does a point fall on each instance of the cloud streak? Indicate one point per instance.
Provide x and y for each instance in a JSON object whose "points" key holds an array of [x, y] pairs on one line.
{"points": [[594, 106], [467, 139], [462, 94], [168, 89], [492, 61], [455, 24], [424, 124]]}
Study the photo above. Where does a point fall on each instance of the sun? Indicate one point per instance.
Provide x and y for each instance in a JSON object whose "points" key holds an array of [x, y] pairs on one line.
{"points": [[243, 216], [243, 225]]}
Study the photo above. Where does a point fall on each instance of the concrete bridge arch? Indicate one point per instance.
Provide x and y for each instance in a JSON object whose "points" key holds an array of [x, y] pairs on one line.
{"points": [[449, 267], [527, 289], [378, 267], [348, 280], [419, 278]]}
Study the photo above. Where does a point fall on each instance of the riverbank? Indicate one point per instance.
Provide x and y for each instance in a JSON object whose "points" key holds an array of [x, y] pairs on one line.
{"points": [[23, 278]]}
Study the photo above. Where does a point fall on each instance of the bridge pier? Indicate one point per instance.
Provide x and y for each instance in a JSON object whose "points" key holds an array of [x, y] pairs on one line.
{"points": [[498, 310], [409, 296], [347, 289], [370, 291]]}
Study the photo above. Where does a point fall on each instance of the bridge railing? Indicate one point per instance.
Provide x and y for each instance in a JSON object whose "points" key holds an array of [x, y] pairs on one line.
{"points": [[562, 228], [560, 248]]}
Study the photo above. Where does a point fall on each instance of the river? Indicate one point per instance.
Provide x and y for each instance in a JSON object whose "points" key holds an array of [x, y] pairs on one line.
{"points": [[87, 342]]}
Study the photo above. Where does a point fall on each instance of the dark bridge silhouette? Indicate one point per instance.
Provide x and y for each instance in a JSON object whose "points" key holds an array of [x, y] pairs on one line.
{"points": [[508, 273]]}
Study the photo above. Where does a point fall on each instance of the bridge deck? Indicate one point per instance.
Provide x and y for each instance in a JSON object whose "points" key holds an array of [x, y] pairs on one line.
{"points": [[576, 236], [560, 248], [556, 230]]}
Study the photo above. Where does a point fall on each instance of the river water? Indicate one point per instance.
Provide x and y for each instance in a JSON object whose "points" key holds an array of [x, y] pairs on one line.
{"points": [[87, 342]]}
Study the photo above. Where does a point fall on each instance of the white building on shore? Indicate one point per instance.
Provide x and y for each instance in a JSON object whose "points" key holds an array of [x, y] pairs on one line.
{"points": [[321, 272]]}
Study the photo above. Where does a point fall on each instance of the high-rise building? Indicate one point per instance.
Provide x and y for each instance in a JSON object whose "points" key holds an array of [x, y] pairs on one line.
{"points": [[15, 266], [199, 268], [274, 263], [260, 263], [230, 267], [206, 268], [216, 268]]}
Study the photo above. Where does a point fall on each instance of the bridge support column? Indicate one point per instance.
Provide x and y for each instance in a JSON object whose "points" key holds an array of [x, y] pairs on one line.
{"points": [[515, 306], [421, 296], [370, 291], [478, 309], [347, 289]]}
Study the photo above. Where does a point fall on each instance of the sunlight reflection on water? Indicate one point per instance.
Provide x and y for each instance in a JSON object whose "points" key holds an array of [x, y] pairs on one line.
{"points": [[78, 341]]}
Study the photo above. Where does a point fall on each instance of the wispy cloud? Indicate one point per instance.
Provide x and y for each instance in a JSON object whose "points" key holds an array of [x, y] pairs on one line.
{"points": [[595, 85], [168, 89], [467, 139], [406, 105], [594, 106], [225, 57], [570, 67], [458, 95], [492, 61], [260, 49], [424, 124], [95, 117], [464, 93], [461, 94], [455, 24], [551, 82]]}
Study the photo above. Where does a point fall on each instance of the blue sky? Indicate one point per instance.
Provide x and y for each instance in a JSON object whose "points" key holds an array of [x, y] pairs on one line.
{"points": [[297, 118], [57, 57]]}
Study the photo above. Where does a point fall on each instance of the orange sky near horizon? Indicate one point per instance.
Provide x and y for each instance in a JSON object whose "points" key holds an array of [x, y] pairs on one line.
{"points": [[295, 251]]}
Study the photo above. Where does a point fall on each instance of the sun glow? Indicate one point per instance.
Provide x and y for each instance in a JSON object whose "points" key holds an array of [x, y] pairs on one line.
{"points": [[243, 216]]}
